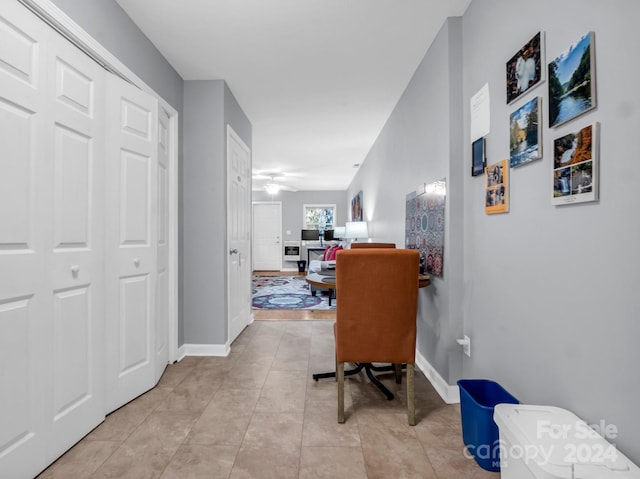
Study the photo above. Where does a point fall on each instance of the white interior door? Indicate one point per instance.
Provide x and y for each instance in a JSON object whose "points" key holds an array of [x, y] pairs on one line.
{"points": [[75, 87], [266, 231], [238, 234], [24, 226], [51, 243], [163, 238], [131, 173]]}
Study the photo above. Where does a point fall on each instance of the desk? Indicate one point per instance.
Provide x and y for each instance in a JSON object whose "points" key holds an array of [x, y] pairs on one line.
{"points": [[424, 280]]}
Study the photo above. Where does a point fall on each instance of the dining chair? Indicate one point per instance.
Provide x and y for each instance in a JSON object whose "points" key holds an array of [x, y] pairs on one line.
{"points": [[372, 245], [376, 314]]}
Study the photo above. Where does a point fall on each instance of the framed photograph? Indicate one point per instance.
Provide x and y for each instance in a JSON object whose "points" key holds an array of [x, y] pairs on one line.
{"points": [[478, 158], [572, 82], [497, 188], [525, 137], [356, 207], [575, 166], [524, 69]]}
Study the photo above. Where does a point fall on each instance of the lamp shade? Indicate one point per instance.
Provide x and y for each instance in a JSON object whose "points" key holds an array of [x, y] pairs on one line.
{"points": [[356, 229]]}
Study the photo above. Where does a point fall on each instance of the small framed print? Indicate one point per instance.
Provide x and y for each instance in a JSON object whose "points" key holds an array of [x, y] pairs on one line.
{"points": [[497, 188], [575, 166], [478, 158], [524, 69]]}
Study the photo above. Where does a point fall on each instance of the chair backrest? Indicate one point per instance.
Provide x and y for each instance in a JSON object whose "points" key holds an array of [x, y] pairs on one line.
{"points": [[377, 296], [372, 245]]}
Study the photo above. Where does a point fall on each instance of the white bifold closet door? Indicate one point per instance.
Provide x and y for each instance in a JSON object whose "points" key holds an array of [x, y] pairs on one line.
{"points": [[84, 211], [52, 132], [132, 236], [164, 149]]}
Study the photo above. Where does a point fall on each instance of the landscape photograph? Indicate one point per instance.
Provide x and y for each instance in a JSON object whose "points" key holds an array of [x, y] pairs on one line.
{"points": [[574, 166], [572, 82], [524, 136], [573, 148]]}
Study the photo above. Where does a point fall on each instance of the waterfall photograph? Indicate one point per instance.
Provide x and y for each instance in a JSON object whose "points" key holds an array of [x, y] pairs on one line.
{"points": [[525, 134], [575, 166]]}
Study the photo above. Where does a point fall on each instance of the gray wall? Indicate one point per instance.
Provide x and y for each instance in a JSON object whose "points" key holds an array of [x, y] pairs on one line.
{"points": [[415, 146], [204, 235], [552, 308], [209, 106], [292, 203], [547, 293], [105, 21]]}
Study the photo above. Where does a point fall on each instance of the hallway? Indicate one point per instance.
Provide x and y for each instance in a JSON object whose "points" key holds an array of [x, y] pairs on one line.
{"points": [[259, 414]]}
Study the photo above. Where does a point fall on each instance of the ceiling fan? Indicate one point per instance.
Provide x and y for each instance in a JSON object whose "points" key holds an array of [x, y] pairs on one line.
{"points": [[273, 182]]}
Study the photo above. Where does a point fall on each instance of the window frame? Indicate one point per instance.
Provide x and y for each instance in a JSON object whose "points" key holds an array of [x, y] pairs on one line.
{"points": [[324, 206]]}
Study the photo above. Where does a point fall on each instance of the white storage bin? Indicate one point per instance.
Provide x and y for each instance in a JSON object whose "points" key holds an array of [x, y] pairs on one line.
{"points": [[546, 442]]}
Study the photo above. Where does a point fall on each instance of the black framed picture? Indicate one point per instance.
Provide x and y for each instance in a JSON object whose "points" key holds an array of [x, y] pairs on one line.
{"points": [[478, 159]]}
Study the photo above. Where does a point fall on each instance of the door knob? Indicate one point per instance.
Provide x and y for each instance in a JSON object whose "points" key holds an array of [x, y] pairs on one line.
{"points": [[233, 251]]}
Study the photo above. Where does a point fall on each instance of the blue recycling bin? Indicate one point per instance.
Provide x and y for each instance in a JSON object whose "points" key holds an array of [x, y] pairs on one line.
{"points": [[480, 434]]}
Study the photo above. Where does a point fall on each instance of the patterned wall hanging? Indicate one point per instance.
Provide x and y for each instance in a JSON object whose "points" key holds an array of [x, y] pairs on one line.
{"points": [[424, 226]]}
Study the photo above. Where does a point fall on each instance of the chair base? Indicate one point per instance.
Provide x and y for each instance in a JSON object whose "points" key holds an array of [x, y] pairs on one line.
{"points": [[340, 374], [368, 368]]}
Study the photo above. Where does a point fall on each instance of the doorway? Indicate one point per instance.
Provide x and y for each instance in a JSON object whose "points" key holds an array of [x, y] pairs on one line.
{"points": [[266, 235], [238, 234]]}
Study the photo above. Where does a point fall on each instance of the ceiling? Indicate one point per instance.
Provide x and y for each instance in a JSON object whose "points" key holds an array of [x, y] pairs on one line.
{"points": [[316, 78]]}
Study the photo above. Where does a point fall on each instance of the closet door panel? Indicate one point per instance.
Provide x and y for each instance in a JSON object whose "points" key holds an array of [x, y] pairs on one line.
{"points": [[72, 325], [75, 90], [24, 299], [131, 179], [134, 200], [17, 131], [162, 289]]}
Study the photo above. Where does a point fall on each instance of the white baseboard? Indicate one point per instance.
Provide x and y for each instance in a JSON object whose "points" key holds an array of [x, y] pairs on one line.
{"points": [[221, 350], [449, 394]]}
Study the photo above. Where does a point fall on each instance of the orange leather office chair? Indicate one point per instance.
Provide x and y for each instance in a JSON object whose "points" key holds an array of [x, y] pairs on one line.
{"points": [[376, 313], [372, 245]]}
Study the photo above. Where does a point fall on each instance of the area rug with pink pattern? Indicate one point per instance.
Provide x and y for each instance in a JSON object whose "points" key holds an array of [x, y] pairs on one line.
{"points": [[286, 292]]}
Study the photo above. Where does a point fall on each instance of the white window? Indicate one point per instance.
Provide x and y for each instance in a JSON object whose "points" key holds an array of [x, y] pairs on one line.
{"points": [[320, 217]]}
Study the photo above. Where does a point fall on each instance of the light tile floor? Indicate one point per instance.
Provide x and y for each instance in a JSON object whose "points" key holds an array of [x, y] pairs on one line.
{"points": [[259, 414]]}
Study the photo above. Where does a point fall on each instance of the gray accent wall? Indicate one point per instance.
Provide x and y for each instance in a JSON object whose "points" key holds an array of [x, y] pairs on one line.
{"points": [[108, 24], [419, 144], [551, 291], [546, 293], [292, 204], [209, 106]]}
